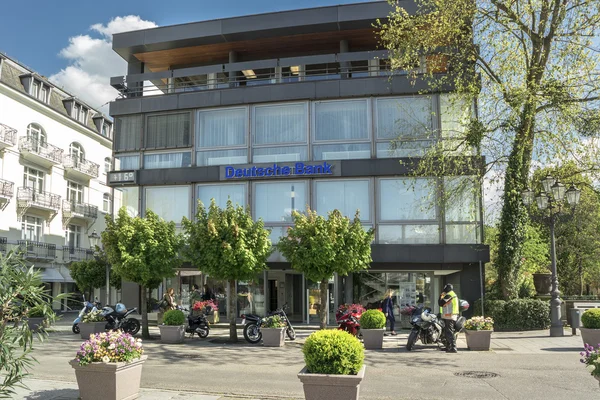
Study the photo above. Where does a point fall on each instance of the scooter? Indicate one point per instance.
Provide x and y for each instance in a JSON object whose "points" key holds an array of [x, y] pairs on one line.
{"points": [[198, 324], [87, 308]]}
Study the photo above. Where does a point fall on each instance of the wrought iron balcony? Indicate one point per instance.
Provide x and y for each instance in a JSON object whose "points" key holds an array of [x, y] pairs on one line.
{"points": [[37, 250], [77, 254], [79, 210], [8, 136], [80, 167], [7, 189], [3, 242], [39, 151], [30, 197]]}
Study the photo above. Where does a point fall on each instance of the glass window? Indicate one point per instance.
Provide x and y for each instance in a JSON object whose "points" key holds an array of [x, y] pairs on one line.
{"points": [[127, 197], [462, 233], [221, 193], [408, 234], [407, 199], [32, 228], [128, 132], [126, 163], [284, 123], [34, 179], [462, 198], [346, 196], [106, 202], [73, 236], [275, 201], [342, 151], [222, 157], [455, 115], [106, 130], [280, 154], [408, 148], [341, 120], [170, 203], [171, 130], [167, 160], [35, 89], [76, 152], [74, 192], [222, 128], [406, 117], [107, 164]]}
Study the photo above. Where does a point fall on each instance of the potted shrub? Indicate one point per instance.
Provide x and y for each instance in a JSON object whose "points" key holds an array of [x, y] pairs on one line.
{"points": [[591, 359], [542, 280], [273, 331], [92, 322], [173, 328], [372, 327], [478, 331], [109, 366], [590, 333], [36, 319], [213, 310], [334, 366]]}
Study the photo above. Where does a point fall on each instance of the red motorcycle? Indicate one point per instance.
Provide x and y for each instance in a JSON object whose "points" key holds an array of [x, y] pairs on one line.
{"points": [[348, 318]]}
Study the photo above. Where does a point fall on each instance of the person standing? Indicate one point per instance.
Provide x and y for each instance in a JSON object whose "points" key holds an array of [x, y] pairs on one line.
{"points": [[195, 295], [449, 309], [387, 307], [169, 300], [208, 294]]}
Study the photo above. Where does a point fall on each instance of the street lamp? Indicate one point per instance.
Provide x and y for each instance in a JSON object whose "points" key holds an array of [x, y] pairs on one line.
{"points": [[94, 242], [552, 203]]}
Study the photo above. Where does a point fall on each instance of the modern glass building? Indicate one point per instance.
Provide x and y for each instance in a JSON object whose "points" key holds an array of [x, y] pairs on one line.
{"points": [[285, 110]]}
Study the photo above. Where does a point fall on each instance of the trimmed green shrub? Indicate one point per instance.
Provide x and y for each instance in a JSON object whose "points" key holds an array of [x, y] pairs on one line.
{"points": [[333, 352], [372, 319], [516, 315], [174, 318], [591, 318]]}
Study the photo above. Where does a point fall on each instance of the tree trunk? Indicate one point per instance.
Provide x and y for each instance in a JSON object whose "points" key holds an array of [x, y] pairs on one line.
{"points": [[324, 301], [580, 277], [144, 312], [232, 308]]}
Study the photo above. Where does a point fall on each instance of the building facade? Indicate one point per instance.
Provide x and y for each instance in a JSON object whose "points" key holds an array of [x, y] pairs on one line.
{"points": [[286, 110], [55, 156]]}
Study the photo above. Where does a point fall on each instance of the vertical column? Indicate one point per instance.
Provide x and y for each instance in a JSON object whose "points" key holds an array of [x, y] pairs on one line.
{"points": [[374, 67], [233, 75], [344, 65], [135, 88], [56, 304]]}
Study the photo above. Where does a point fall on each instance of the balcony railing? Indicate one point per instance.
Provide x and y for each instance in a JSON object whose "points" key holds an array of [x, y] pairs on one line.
{"points": [[39, 250], [34, 198], [8, 135], [41, 149], [80, 209], [84, 166], [7, 188], [3, 242], [77, 254]]}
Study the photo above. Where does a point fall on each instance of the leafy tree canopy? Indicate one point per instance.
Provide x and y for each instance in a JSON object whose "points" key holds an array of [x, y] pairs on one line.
{"points": [[91, 274]]}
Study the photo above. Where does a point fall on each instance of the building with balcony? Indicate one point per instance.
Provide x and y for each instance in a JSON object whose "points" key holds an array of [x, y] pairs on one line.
{"points": [[53, 193], [283, 110]]}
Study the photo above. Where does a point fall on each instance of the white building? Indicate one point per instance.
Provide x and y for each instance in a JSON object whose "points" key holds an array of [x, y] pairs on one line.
{"points": [[54, 156]]}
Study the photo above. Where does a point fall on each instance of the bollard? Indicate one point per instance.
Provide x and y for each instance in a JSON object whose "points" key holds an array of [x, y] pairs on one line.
{"points": [[575, 319]]}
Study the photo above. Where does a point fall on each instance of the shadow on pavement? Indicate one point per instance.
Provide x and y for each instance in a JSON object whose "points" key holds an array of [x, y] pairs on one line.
{"points": [[54, 394], [564, 349]]}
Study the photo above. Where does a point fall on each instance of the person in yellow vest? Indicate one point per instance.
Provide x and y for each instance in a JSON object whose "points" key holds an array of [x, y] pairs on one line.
{"points": [[449, 309]]}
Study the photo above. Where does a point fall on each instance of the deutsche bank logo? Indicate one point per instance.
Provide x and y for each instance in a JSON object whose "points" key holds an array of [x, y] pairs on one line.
{"points": [[298, 169]]}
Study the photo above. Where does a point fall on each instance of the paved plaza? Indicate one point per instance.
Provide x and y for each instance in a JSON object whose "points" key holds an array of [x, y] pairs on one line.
{"points": [[521, 365]]}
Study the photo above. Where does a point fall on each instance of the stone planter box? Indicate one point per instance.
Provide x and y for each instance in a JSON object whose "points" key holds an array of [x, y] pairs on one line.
{"points": [[331, 387], [110, 381], [590, 336], [86, 329], [213, 318], [542, 283], [478, 340], [172, 334], [373, 338], [273, 337], [35, 323]]}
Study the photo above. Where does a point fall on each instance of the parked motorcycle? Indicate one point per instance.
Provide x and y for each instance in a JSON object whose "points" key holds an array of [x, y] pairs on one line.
{"points": [[349, 321], [117, 318], [428, 328], [252, 324], [87, 308], [199, 324]]}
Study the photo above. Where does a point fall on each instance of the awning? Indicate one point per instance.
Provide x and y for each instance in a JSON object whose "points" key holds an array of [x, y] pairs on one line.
{"points": [[51, 275], [190, 273], [66, 274]]}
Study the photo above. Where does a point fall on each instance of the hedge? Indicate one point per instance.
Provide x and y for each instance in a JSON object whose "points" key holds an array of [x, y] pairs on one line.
{"points": [[516, 315]]}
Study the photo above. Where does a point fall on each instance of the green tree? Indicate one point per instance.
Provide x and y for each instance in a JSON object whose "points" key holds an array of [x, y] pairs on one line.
{"points": [[227, 244], [91, 274], [532, 65], [320, 247], [144, 250]]}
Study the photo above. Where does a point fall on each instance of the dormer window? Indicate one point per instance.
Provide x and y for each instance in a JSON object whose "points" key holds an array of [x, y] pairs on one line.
{"points": [[40, 91], [106, 130], [80, 113]]}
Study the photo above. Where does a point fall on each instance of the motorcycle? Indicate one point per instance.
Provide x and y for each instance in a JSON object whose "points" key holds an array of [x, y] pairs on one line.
{"points": [[87, 308], [349, 321], [117, 319], [252, 324], [199, 324], [427, 327]]}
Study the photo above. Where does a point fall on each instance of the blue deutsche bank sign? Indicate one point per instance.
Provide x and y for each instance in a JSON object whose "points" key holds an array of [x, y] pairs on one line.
{"points": [[276, 170]]}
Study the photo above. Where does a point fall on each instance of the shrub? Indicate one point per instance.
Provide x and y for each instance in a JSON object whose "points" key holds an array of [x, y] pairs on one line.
{"points": [[109, 347], [372, 319], [333, 352], [174, 318], [591, 318], [516, 315], [273, 321], [93, 316]]}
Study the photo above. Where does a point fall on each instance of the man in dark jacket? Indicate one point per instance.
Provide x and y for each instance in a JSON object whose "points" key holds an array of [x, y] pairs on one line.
{"points": [[448, 303]]}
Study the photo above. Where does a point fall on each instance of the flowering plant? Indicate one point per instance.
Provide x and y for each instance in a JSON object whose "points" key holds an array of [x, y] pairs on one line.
{"points": [[407, 310], [274, 321], [479, 324], [357, 308], [201, 305], [106, 347], [591, 358], [93, 316]]}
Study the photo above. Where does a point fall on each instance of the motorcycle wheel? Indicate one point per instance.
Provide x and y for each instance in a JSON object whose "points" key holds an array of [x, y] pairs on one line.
{"points": [[75, 328], [132, 326], [412, 339], [291, 333], [252, 334], [202, 332]]}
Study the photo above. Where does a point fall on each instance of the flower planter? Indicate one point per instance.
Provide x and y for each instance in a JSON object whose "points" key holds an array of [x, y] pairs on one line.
{"points": [[172, 334], [331, 387], [35, 323], [373, 338], [590, 336], [213, 318], [109, 381], [478, 340], [273, 337], [542, 283], [87, 328]]}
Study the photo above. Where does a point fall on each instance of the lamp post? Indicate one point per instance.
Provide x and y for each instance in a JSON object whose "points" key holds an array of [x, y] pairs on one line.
{"points": [[94, 241], [552, 203]]}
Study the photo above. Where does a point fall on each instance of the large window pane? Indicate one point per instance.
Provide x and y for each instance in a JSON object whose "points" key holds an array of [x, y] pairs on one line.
{"points": [[167, 160], [172, 130], [280, 124], [342, 151], [128, 132], [346, 196], [170, 203], [410, 148], [280, 154], [407, 199], [407, 117], [409, 234], [462, 198], [221, 193], [221, 128], [455, 115], [125, 163], [222, 157], [462, 233], [341, 120], [275, 201], [127, 197]]}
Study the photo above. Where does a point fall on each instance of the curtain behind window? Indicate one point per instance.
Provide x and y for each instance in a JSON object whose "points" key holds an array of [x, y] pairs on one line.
{"points": [[399, 200], [170, 203], [408, 117], [171, 130], [341, 120], [128, 132], [346, 196], [167, 160], [220, 128], [280, 124]]}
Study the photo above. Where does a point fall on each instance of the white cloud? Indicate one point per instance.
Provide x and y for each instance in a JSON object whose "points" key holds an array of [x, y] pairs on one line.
{"points": [[92, 61]]}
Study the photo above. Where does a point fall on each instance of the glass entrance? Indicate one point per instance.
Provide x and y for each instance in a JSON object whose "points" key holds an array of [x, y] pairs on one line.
{"points": [[285, 288], [313, 293]]}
